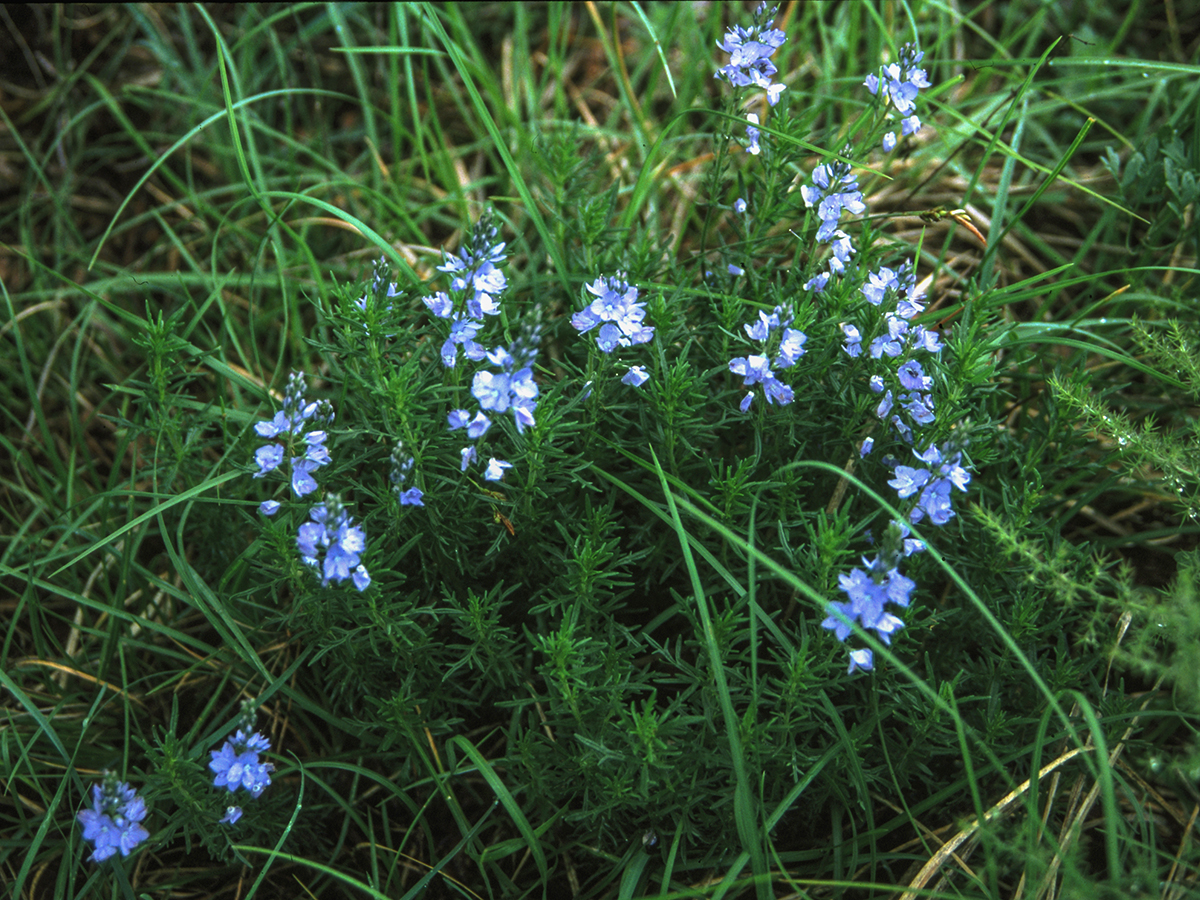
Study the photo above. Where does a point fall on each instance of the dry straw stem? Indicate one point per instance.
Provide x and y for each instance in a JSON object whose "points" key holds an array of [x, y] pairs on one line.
{"points": [[948, 849], [1073, 821]]}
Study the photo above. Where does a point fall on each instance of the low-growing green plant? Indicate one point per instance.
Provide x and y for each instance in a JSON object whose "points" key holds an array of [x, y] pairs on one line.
{"points": [[576, 556]]}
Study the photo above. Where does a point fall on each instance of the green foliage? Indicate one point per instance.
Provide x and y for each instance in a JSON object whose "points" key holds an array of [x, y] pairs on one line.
{"points": [[628, 633]]}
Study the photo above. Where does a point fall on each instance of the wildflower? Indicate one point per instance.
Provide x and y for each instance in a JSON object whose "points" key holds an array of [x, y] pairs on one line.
{"points": [[478, 426], [903, 281], [899, 86], [114, 820], [462, 332], [469, 455], [232, 814], [919, 407], [817, 283], [878, 284], [913, 377], [853, 344], [402, 465], [869, 591], [749, 50], [791, 347], [842, 251], [757, 369], [636, 376], [833, 189], [739, 206], [330, 530], [892, 341], [495, 469], [862, 659], [474, 270], [616, 304], [440, 304], [269, 507], [236, 765], [752, 135], [301, 424], [512, 388], [933, 484]]}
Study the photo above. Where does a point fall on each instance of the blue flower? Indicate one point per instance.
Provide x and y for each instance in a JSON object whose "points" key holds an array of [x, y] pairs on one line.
{"points": [[474, 271], [412, 497], [933, 484], [269, 507], [512, 388], [752, 135], [842, 251], [878, 284], [919, 407], [834, 189], [495, 469], [909, 480], [913, 377], [616, 303], [113, 822], [236, 765], [440, 304], [462, 332], [749, 50], [301, 424], [903, 281], [401, 469], [636, 376], [757, 369], [853, 344], [330, 531], [862, 659], [869, 591], [232, 814], [899, 86]]}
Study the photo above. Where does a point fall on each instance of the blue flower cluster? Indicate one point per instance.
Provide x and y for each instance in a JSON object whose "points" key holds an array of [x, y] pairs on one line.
{"points": [[882, 582], [749, 52], [617, 307], [869, 590], [479, 282], [899, 336], [899, 86], [114, 820], [622, 320], [302, 426], [236, 765], [757, 369], [342, 544], [934, 483], [402, 465], [867, 599], [905, 389], [834, 190], [511, 389]]}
